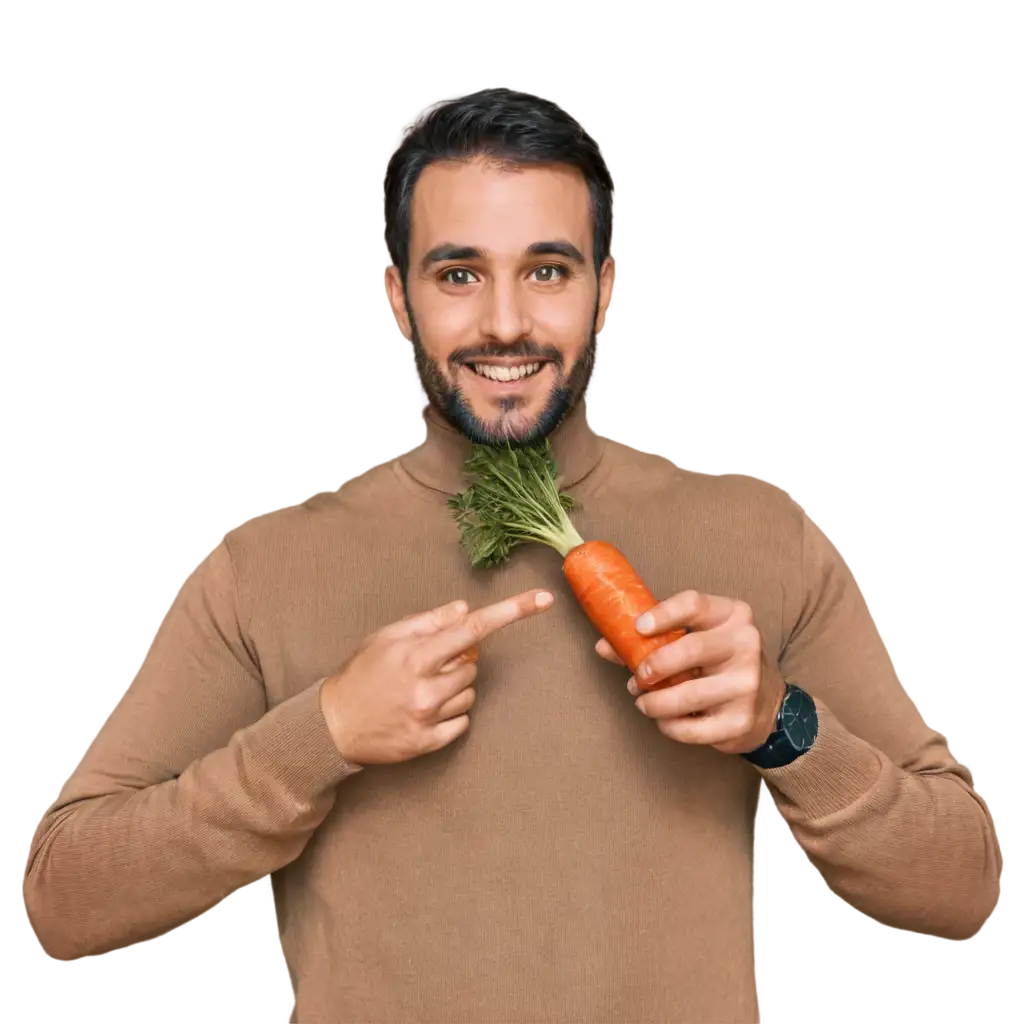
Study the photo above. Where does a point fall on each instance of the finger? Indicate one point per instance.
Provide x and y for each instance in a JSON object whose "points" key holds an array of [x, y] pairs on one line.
{"points": [[480, 623], [690, 609], [607, 652], [680, 677], [700, 649], [444, 732], [702, 694], [454, 680], [428, 622], [458, 704], [469, 654], [707, 730]]}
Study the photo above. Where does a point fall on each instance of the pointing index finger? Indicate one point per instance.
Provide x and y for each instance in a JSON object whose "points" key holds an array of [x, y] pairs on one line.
{"points": [[478, 624]]}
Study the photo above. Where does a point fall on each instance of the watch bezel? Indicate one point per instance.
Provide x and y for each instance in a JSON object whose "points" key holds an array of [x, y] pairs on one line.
{"points": [[791, 724], [780, 749]]}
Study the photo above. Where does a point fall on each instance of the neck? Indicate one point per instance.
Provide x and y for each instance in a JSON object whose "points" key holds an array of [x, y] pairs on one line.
{"points": [[437, 463]]}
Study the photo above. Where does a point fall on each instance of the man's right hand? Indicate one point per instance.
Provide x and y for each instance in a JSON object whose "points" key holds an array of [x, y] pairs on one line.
{"points": [[407, 689]]}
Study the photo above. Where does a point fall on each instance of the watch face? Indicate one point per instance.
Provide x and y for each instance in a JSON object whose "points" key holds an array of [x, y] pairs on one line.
{"points": [[799, 719]]}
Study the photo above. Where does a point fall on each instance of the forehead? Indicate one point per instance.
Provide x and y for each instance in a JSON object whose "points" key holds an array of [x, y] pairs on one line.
{"points": [[499, 208]]}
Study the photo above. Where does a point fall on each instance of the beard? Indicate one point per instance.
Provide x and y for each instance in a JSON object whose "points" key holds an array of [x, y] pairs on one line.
{"points": [[507, 427]]}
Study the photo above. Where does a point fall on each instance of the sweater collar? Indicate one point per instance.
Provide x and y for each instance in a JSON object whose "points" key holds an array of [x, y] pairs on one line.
{"points": [[437, 463]]}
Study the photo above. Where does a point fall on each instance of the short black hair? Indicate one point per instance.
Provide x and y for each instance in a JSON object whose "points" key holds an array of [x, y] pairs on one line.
{"points": [[512, 127]]}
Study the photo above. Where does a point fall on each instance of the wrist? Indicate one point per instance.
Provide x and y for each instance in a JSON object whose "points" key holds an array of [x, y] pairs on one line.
{"points": [[335, 721], [769, 722]]}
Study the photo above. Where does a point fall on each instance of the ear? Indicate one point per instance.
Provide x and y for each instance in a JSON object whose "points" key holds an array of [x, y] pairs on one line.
{"points": [[396, 296], [605, 283]]}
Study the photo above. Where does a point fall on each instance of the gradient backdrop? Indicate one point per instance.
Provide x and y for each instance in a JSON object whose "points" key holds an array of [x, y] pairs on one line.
{"points": [[190, 328]]}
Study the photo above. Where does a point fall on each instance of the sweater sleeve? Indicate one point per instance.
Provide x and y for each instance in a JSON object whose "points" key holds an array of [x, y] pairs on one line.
{"points": [[879, 804], [191, 789]]}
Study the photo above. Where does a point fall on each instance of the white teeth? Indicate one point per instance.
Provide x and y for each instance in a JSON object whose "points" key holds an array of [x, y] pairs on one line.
{"points": [[507, 373]]}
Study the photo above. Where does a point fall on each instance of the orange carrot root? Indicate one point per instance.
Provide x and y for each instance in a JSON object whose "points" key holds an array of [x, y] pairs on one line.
{"points": [[612, 594]]}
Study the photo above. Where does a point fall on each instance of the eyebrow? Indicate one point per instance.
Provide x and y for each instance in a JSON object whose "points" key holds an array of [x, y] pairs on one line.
{"points": [[449, 251]]}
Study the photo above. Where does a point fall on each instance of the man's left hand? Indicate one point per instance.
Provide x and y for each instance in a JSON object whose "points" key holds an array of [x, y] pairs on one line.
{"points": [[732, 705]]}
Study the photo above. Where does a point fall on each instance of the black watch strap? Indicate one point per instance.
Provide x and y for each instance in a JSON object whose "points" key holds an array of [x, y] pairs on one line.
{"points": [[796, 728]]}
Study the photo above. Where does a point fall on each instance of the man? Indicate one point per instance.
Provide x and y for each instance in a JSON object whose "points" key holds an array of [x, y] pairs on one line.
{"points": [[305, 708]]}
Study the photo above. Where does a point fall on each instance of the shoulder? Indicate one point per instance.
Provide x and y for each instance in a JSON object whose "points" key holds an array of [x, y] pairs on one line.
{"points": [[318, 522], [728, 533], [646, 477]]}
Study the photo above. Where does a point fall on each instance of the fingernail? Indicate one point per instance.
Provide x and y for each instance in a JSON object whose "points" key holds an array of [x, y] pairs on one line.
{"points": [[645, 622], [544, 599], [632, 687], [644, 671]]}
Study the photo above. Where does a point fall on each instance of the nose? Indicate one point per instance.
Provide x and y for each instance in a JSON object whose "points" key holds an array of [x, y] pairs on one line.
{"points": [[506, 316]]}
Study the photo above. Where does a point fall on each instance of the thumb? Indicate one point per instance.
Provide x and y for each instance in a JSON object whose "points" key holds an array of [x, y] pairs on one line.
{"points": [[607, 652], [428, 622]]}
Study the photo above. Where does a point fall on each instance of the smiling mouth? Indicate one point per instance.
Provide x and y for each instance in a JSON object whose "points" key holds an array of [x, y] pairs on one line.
{"points": [[505, 372]]}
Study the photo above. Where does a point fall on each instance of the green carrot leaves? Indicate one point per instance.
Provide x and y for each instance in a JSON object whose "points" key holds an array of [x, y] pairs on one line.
{"points": [[512, 497]]}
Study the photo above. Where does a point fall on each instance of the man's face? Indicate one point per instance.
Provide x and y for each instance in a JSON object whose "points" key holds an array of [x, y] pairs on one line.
{"points": [[502, 305]]}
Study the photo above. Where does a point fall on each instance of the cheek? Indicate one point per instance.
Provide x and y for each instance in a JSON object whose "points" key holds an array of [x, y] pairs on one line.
{"points": [[444, 325], [566, 321]]}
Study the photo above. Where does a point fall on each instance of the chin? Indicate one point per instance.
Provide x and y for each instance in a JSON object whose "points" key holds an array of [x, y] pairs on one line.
{"points": [[513, 424], [496, 426], [509, 422]]}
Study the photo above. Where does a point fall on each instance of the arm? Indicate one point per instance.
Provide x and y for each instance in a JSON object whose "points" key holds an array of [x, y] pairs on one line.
{"points": [[191, 790], [878, 804]]}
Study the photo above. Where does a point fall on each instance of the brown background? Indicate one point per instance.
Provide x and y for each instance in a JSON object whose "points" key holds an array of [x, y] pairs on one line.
{"points": [[190, 328]]}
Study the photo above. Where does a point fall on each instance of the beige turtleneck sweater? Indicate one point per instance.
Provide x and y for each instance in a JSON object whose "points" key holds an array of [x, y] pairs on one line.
{"points": [[561, 861]]}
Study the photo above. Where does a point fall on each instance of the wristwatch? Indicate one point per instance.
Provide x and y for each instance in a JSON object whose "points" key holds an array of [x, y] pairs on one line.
{"points": [[796, 727]]}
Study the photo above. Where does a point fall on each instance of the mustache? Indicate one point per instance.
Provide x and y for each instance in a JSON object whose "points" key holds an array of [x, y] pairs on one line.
{"points": [[523, 349]]}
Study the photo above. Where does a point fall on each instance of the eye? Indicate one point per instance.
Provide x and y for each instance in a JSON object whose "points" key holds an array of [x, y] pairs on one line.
{"points": [[458, 276], [551, 272]]}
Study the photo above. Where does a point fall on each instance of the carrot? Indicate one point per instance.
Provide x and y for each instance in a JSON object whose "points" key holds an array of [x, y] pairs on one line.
{"points": [[512, 498], [613, 596]]}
